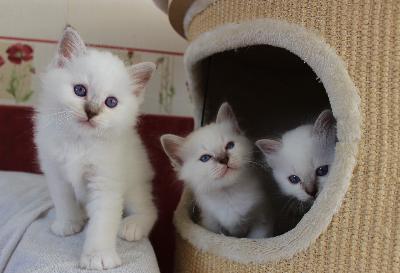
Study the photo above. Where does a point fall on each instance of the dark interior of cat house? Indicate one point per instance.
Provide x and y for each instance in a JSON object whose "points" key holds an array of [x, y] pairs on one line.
{"points": [[270, 90]]}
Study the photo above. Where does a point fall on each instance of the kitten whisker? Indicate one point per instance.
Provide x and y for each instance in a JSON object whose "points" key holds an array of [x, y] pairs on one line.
{"points": [[286, 205], [66, 112], [57, 118]]}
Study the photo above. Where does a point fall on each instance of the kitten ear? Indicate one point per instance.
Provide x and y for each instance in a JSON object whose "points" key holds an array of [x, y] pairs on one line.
{"points": [[70, 46], [269, 146], [226, 114], [141, 74], [171, 145], [325, 124]]}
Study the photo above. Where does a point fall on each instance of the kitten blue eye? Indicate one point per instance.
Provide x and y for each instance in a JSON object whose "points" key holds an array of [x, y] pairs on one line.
{"points": [[205, 158], [322, 171], [80, 90], [294, 179], [111, 102], [230, 145]]}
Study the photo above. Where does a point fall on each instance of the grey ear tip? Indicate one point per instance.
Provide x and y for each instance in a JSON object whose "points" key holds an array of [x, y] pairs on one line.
{"points": [[69, 28], [259, 145], [226, 107], [150, 64], [268, 146], [331, 117], [325, 122], [168, 137], [326, 115], [163, 138], [153, 66], [328, 112], [145, 66], [226, 104]]}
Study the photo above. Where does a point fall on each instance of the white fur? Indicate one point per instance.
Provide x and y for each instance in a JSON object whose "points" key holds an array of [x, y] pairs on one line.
{"points": [[94, 170], [231, 201], [300, 152]]}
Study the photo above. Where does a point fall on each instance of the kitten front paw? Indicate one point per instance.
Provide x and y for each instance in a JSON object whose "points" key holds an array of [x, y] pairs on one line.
{"points": [[66, 228], [100, 260], [131, 229]]}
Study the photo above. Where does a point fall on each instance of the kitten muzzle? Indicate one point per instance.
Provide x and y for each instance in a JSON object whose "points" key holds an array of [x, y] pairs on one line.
{"points": [[223, 160], [311, 190], [91, 111]]}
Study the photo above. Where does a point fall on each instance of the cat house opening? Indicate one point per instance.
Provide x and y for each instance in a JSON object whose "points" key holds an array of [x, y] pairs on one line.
{"points": [[271, 91], [268, 78]]}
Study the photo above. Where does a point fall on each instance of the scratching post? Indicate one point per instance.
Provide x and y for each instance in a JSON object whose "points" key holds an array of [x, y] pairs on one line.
{"points": [[353, 49]]}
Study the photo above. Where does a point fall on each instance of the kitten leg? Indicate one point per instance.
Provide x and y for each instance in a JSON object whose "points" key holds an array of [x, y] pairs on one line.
{"points": [[69, 217], [259, 230], [104, 209], [238, 230], [142, 214], [210, 223], [262, 227]]}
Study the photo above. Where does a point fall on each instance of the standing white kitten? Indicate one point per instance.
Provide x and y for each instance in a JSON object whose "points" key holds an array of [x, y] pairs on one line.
{"points": [[300, 162], [214, 162], [93, 159]]}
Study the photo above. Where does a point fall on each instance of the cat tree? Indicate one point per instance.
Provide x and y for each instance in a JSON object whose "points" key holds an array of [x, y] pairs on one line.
{"points": [[303, 55]]}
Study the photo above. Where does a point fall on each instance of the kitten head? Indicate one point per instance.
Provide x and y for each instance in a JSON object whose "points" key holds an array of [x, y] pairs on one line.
{"points": [[300, 161], [86, 91], [211, 157]]}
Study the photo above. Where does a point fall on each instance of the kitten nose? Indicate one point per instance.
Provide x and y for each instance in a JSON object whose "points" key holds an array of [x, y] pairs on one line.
{"points": [[224, 160], [90, 111], [312, 190]]}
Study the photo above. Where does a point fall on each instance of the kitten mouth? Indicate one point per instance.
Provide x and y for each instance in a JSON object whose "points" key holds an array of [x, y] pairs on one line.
{"points": [[311, 198], [227, 170], [233, 167], [88, 123]]}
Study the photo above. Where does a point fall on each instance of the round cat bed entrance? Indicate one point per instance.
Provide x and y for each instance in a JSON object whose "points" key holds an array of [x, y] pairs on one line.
{"points": [[270, 89], [353, 226], [274, 82]]}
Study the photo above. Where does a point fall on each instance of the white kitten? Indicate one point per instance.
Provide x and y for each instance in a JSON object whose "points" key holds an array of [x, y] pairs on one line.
{"points": [[214, 162], [89, 150], [300, 160]]}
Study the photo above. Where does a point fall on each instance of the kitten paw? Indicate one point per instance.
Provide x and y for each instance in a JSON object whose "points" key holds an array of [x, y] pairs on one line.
{"points": [[100, 260], [66, 228], [131, 229]]}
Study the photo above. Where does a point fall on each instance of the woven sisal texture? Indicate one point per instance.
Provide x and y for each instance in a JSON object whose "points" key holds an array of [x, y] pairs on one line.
{"points": [[365, 234]]}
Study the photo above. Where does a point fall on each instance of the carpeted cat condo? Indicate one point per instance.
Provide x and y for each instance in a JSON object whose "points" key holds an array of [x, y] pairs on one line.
{"points": [[279, 63]]}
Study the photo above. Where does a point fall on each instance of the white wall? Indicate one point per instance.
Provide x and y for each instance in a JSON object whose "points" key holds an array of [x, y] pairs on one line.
{"points": [[123, 23], [131, 23]]}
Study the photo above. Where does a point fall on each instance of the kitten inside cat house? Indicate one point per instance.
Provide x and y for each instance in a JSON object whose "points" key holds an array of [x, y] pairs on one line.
{"points": [[272, 92], [216, 162]]}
